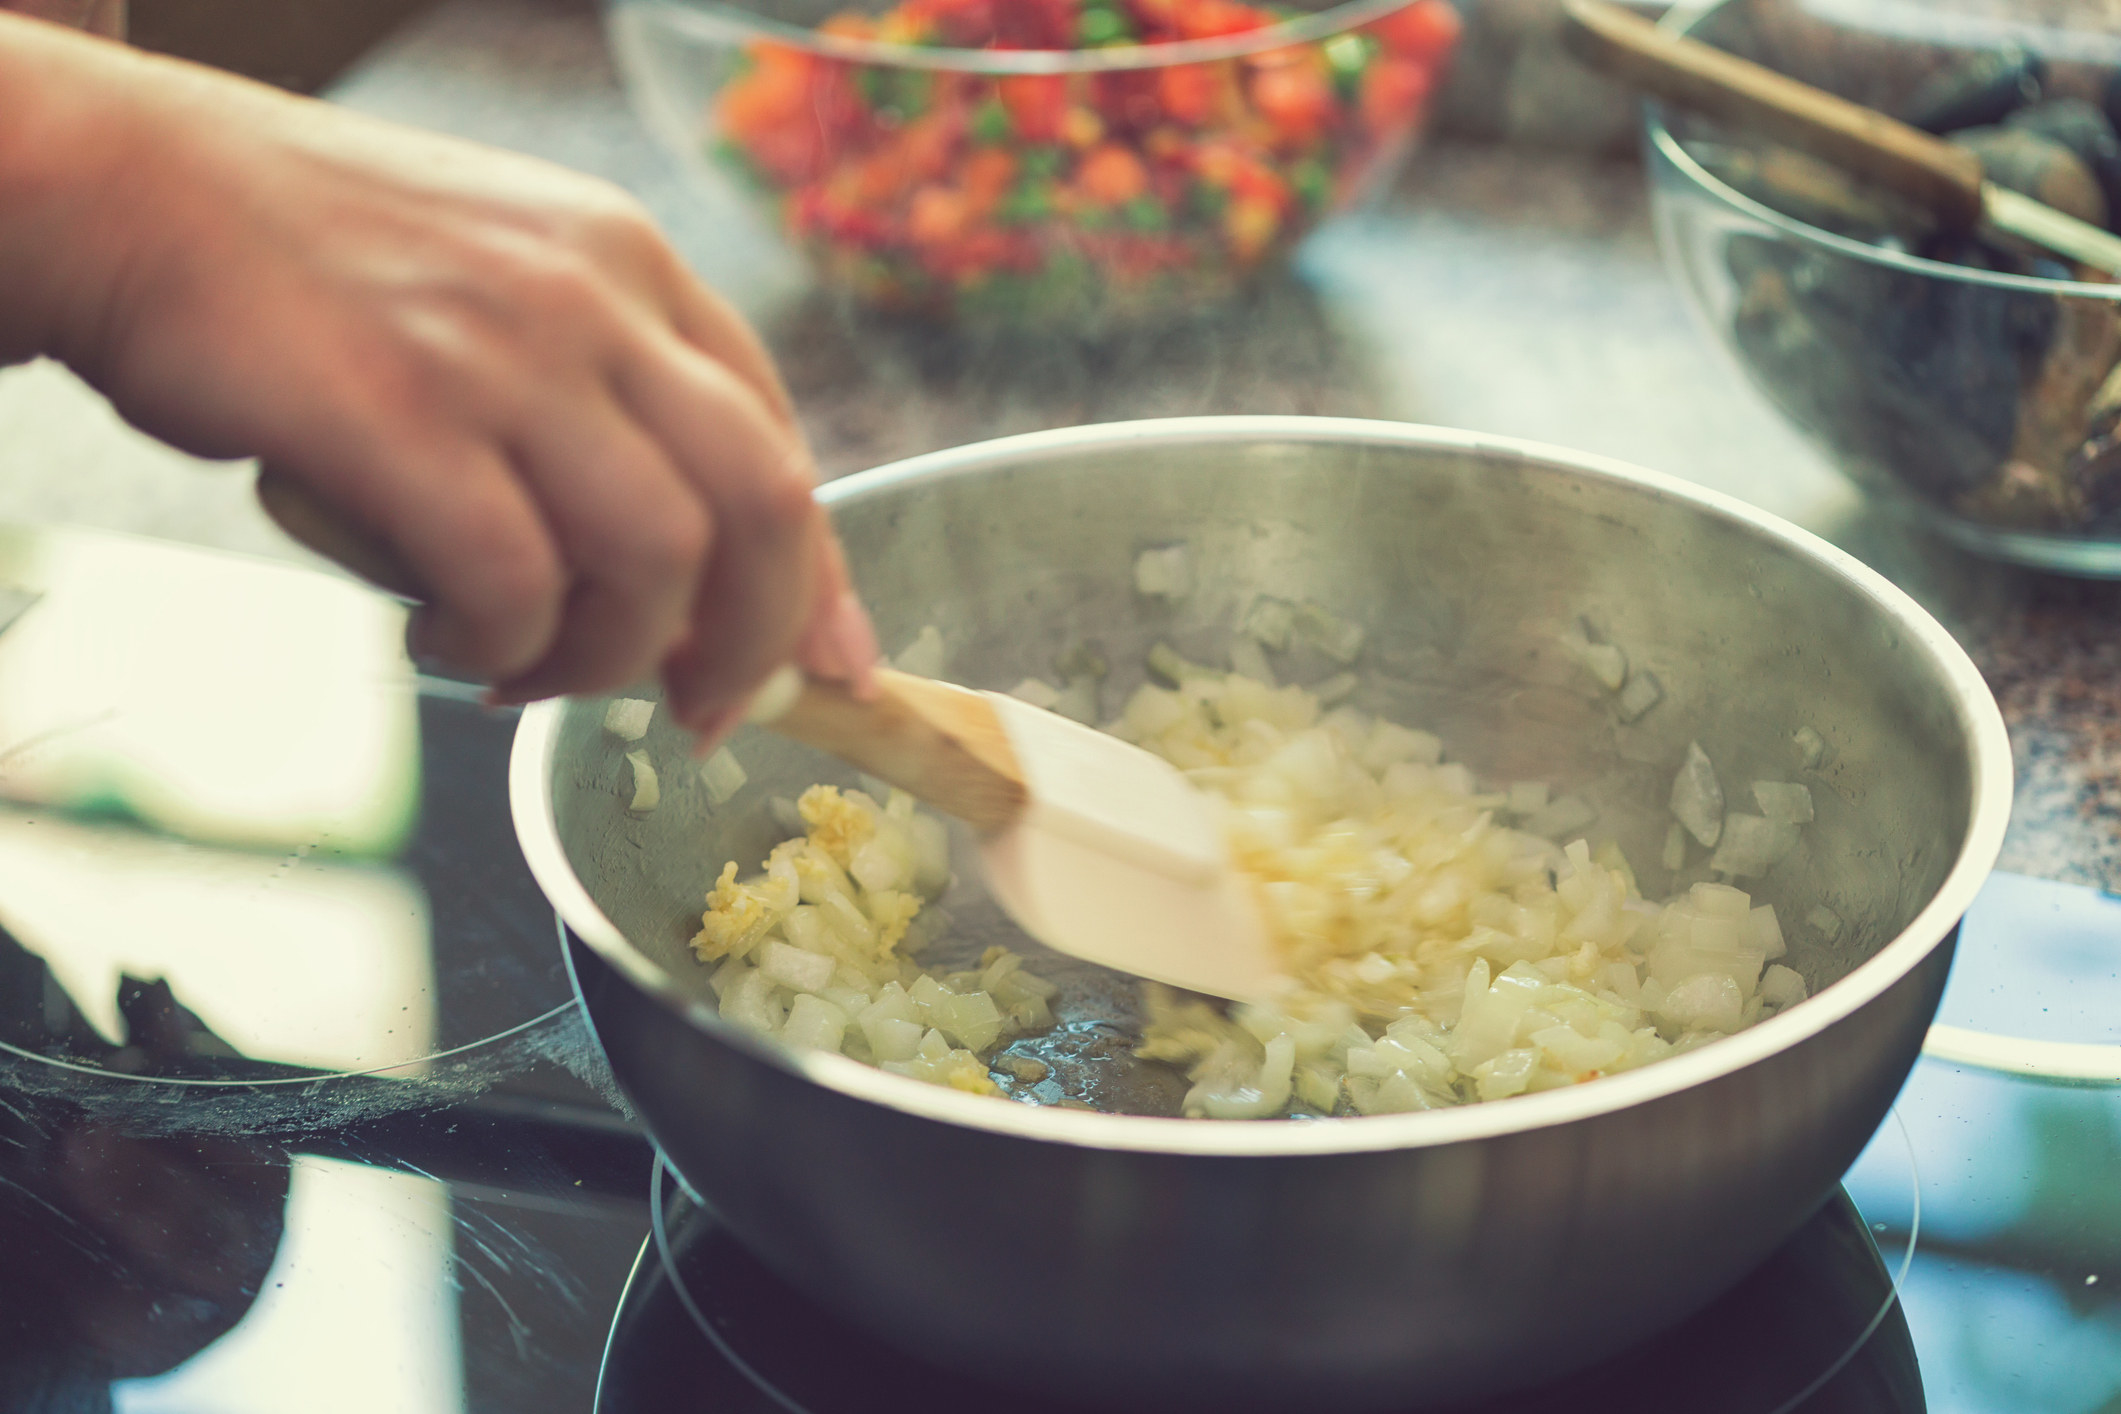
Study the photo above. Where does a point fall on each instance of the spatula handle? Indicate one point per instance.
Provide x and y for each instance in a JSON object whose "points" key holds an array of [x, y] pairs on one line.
{"points": [[937, 741], [1942, 179]]}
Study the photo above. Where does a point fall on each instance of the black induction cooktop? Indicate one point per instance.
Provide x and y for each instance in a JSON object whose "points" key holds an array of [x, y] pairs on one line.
{"points": [[422, 1195]]}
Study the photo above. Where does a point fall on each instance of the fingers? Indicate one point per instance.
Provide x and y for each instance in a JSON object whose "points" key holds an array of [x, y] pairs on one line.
{"points": [[470, 537], [839, 642], [636, 533], [756, 596], [706, 321]]}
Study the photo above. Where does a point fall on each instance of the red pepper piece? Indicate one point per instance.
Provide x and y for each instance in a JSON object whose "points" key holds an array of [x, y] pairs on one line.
{"points": [[1036, 103], [1212, 19], [1393, 91], [1296, 96], [1187, 92], [1112, 175], [1426, 31]]}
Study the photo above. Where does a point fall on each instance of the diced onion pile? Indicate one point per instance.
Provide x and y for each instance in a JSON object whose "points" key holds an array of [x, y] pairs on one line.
{"points": [[1442, 954], [818, 949], [1449, 945]]}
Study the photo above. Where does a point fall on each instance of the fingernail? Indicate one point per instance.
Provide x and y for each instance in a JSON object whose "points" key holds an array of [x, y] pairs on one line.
{"points": [[714, 728]]}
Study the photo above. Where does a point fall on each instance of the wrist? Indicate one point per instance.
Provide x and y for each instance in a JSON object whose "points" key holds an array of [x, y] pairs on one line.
{"points": [[66, 124]]}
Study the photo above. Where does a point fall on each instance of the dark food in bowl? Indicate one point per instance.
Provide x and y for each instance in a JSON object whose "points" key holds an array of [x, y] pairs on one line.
{"points": [[1988, 393], [1072, 195]]}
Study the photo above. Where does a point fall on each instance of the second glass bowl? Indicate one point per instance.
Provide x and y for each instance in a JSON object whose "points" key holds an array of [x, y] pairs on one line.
{"points": [[1976, 386], [1072, 164]]}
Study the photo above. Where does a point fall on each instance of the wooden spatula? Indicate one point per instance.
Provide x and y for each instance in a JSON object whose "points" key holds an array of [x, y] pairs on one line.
{"points": [[1945, 180], [1095, 847]]}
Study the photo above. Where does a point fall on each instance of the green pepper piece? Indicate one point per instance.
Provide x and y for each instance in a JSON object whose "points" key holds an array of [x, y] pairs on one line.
{"points": [[905, 92], [1098, 26], [990, 123], [1206, 203], [1145, 213], [1039, 163], [1347, 56], [1031, 201], [1313, 183]]}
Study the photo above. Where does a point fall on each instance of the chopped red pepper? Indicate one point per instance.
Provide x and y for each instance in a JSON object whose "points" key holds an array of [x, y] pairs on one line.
{"points": [[1213, 19], [1295, 94], [1187, 92], [1393, 91], [1037, 103], [1425, 31], [1112, 175], [943, 188]]}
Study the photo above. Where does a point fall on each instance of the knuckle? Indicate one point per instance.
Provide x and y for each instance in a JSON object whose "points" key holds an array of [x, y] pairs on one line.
{"points": [[511, 579], [785, 501], [671, 545], [614, 223]]}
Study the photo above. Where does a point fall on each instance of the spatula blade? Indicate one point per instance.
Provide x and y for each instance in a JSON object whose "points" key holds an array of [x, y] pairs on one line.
{"points": [[1121, 861]]}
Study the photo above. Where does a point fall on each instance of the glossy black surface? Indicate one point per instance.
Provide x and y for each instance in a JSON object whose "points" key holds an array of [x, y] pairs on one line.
{"points": [[469, 1234]]}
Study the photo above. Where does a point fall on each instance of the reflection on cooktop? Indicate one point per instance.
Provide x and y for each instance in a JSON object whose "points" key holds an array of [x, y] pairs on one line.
{"points": [[1815, 1330], [462, 1259], [130, 953]]}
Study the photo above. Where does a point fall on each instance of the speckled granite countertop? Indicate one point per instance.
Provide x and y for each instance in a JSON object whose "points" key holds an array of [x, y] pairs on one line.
{"points": [[1493, 289]]}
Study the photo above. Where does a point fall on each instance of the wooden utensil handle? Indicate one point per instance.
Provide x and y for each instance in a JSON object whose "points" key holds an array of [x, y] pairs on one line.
{"points": [[318, 526], [1939, 177], [939, 742]]}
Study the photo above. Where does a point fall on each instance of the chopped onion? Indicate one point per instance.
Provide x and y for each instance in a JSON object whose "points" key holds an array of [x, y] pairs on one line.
{"points": [[1036, 691], [1269, 621], [1752, 845], [1767, 932], [924, 657], [1781, 987], [1078, 700], [1561, 817], [647, 791], [1166, 663], [1675, 847], [1338, 638], [1825, 921], [816, 949], [1781, 800], [814, 1022], [1336, 689], [1697, 799], [1440, 957], [723, 775], [1641, 694], [627, 718], [1164, 573], [1607, 663], [1811, 748]]}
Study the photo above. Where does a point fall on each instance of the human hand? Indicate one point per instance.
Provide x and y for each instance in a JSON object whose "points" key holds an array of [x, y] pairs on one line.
{"points": [[495, 366]]}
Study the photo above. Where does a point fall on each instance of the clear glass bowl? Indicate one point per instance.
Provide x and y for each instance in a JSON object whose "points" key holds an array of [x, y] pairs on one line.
{"points": [[1038, 186], [1978, 387]]}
